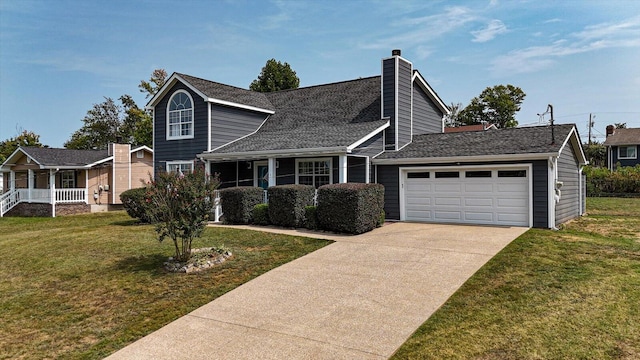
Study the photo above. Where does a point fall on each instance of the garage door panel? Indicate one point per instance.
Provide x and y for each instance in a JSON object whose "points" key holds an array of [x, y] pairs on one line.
{"points": [[484, 217], [451, 187], [478, 188], [484, 202], [476, 200], [447, 215], [448, 201]]}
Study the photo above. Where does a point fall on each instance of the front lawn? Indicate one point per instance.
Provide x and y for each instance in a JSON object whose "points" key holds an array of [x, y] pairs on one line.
{"points": [[85, 286], [570, 294]]}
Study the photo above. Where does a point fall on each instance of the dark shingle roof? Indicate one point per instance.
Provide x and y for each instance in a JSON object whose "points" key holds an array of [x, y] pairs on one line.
{"points": [[64, 157], [331, 115], [525, 140], [229, 93], [623, 137]]}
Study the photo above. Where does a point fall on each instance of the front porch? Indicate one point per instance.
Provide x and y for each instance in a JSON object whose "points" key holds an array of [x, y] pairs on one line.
{"points": [[18, 193]]}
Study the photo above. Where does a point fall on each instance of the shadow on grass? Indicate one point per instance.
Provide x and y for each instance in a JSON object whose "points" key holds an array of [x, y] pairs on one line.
{"points": [[132, 222], [142, 263]]}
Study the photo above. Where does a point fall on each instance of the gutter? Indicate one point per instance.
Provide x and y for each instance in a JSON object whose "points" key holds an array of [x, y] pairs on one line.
{"points": [[455, 159], [338, 150]]}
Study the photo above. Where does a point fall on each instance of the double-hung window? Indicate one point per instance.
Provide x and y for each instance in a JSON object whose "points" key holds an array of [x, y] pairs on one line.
{"points": [[182, 167], [627, 152], [180, 116], [316, 172], [68, 179]]}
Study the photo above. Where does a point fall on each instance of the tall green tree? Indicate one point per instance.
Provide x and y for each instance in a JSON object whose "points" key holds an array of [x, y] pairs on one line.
{"points": [[453, 118], [155, 83], [25, 138], [275, 76], [101, 126], [496, 105], [109, 122]]}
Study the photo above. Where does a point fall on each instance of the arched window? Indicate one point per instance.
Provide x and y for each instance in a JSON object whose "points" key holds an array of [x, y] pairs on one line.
{"points": [[180, 116]]}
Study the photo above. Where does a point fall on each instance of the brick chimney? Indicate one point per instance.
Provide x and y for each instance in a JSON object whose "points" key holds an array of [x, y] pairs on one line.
{"points": [[610, 130]]}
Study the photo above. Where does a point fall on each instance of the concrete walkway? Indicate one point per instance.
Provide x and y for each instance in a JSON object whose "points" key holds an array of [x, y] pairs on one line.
{"points": [[358, 298]]}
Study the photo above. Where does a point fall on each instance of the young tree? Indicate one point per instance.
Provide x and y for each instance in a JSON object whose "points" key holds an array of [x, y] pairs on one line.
{"points": [[496, 105], [275, 76], [180, 206], [25, 138]]}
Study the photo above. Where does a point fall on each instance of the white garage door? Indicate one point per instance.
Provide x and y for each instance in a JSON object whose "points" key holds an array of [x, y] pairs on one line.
{"points": [[476, 196]]}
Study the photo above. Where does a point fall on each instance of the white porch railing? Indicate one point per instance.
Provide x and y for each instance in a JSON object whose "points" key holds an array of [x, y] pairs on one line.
{"points": [[63, 196], [67, 196]]}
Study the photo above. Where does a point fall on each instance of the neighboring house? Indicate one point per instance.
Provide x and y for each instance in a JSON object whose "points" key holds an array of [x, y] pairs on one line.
{"points": [[622, 146], [49, 182], [387, 129], [475, 127]]}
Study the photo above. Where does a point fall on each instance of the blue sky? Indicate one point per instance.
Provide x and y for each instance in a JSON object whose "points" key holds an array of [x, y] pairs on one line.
{"points": [[58, 58]]}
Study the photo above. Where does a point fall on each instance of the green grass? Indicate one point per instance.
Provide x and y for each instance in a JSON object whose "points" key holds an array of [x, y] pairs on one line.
{"points": [[568, 294], [85, 286]]}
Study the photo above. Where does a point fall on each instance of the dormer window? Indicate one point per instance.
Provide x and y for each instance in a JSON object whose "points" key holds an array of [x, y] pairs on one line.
{"points": [[180, 116]]}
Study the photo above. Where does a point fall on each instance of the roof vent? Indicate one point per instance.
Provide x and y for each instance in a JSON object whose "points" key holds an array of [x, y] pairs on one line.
{"points": [[396, 52]]}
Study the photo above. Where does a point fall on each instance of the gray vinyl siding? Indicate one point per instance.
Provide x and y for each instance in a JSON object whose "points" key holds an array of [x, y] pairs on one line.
{"points": [[569, 173], [427, 118], [388, 176], [389, 97], [404, 103], [540, 194], [229, 124], [356, 169], [184, 149], [371, 147]]}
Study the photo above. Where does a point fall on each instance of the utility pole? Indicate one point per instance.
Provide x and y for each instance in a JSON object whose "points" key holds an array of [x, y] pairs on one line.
{"points": [[590, 126]]}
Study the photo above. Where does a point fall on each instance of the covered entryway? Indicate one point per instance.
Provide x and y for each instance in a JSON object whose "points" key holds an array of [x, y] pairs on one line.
{"points": [[491, 195]]}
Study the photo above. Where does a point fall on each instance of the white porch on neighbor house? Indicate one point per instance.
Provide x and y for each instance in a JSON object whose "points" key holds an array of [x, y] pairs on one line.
{"points": [[50, 195]]}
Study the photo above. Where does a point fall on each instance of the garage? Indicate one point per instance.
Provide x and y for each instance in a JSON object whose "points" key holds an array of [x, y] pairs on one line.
{"points": [[472, 195]]}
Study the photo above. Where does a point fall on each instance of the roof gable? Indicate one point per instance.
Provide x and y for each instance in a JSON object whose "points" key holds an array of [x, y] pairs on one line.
{"points": [[215, 92], [623, 137]]}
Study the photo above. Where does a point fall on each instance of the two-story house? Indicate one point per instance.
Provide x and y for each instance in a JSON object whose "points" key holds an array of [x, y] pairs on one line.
{"points": [[387, 129]]}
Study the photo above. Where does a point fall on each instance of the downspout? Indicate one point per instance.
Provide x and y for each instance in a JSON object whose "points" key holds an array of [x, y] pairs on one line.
{"points": [[551, 198]]}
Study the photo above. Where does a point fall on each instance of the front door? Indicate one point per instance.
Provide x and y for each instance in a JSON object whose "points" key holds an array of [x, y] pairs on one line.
{"points": [[263, 176]]}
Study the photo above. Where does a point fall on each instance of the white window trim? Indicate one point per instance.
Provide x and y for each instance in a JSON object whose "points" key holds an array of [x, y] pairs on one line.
{"points": [[64, 179], [179, 163], [329, 159], [180, 137], [628, 157]]}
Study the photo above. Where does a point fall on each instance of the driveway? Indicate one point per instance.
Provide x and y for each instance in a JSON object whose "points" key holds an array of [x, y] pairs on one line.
{"points": [[358, 298]]}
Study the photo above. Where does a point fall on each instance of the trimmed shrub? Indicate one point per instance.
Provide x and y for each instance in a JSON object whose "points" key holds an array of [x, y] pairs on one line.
{"points": [[624, 181], [238, 203], [261, 214], [135, 203], [352, 208], [311, 217], [287, 203]]}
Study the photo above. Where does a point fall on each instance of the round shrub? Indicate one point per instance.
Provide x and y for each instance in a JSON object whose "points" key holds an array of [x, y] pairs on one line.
{"points": [[135, 203]]}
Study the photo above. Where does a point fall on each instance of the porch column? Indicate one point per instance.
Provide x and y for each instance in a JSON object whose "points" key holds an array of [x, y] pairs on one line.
{"points": [[342, 169], [52, 191], [272, 172], [86, 186], [30, 182], [12, 180]]}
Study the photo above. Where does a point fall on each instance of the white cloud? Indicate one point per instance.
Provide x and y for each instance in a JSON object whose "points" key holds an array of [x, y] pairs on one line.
{"points": [[493, 29], [593, 38], [425, 28]]}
